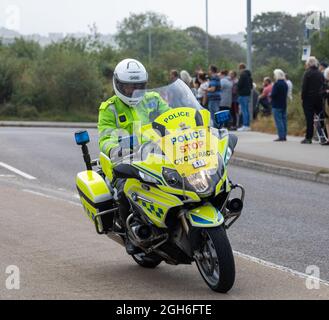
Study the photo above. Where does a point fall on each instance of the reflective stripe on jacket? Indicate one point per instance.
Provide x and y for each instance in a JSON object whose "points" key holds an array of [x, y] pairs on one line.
{"points": [[116, 118]]}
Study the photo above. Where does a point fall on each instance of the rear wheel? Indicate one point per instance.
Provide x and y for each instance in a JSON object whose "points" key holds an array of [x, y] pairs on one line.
{"points": [[215, 260], [148, 261]]}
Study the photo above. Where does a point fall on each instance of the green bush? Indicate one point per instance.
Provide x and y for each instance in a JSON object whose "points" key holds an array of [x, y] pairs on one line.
{"points": [[28, 112], [8, 110]]}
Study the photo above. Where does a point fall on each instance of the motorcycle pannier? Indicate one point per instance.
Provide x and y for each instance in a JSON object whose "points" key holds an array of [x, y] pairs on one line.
{"points": [[96, 199]]}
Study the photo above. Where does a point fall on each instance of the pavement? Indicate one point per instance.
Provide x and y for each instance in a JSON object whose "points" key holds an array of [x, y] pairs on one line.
{"points": [[258, 151]]}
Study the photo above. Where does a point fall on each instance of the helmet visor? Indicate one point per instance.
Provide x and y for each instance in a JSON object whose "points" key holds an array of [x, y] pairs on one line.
{"points": [[127, 89]]}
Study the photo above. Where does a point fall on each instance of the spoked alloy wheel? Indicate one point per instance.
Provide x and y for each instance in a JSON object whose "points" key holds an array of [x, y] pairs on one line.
{"points": [[215, 260]]}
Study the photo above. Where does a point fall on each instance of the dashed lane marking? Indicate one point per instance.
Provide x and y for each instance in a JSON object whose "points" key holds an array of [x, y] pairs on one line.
{"points": [[50, 197], [19, 172], [280, 268]]}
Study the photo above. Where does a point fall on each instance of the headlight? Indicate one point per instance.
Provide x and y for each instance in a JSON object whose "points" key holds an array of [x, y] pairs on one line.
{"points": [[147, 178], [172, 177], [201, 183]]}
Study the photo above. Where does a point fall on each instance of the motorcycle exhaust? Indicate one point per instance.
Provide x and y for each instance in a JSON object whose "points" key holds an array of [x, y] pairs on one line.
{"points": [[142, 232]]}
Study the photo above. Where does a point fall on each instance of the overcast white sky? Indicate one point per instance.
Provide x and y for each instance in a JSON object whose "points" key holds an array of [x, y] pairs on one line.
{"points": [[225, 16]]}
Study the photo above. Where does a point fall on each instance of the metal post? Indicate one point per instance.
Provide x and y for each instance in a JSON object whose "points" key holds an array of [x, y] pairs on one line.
{"points": [[150, 44], [249, 35], [149, 24], [207, 34]]}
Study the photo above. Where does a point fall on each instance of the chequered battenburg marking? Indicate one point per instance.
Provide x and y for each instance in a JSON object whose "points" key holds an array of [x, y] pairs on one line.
{"points": [[151, 209]]}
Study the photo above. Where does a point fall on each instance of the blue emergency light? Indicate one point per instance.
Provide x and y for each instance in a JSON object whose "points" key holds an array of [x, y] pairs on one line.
{"points": [[223, 117], [82, 138]]}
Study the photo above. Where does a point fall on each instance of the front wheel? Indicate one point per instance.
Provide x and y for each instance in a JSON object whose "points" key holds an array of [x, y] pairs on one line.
{"points": [[148, 261], [215, 260]]}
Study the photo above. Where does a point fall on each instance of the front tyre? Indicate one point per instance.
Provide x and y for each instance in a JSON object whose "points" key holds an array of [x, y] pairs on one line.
{"points": [[148, 261], [215, 260]]}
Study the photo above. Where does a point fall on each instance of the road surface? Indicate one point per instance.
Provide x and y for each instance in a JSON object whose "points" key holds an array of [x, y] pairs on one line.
{"points": [[45, 233]]}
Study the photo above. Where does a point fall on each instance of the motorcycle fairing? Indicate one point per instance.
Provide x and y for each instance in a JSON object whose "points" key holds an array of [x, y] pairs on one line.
{"points": [[152, 201], [206, 216]]}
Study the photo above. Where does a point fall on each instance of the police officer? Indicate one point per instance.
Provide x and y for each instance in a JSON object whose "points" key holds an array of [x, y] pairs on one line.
{"points": [[117, 116]]}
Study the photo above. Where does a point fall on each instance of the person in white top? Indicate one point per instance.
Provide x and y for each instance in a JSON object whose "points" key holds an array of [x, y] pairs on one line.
{"points": [[290, 88], [202, 91]]}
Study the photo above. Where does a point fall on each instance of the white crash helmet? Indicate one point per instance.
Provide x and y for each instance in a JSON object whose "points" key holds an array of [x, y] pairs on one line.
{"points": [[129, 75]]}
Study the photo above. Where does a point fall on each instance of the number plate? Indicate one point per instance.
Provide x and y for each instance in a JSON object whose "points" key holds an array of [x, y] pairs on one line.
{"points": [[199, 164]]}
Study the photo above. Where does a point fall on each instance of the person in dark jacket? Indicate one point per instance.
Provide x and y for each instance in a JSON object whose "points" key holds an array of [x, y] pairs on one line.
{"points": [[245, 86], [214, 93], [279, 98], [326, 108], [312, 95]]}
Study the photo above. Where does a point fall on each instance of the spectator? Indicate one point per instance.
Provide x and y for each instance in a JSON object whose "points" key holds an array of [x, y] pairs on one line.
{"points": [[185, 76], [312, 95], [245, 86], [196, 87], [226, 91], [255, 97], [326, 109], [202, 92], [173, 76], [279, 98], [214, 94], [265, 98], [235, 104], [323, 66], [290, 87]]}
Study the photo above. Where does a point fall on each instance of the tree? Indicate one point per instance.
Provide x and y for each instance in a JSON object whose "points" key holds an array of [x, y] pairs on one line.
{"points": [[171, 47], [320, 46], [132, 30], [219, 49], [277, 34]]}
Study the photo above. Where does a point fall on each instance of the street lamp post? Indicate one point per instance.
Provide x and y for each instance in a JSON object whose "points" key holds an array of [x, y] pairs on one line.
{"points": [[150, 44], [249, 35], [207, 34]]}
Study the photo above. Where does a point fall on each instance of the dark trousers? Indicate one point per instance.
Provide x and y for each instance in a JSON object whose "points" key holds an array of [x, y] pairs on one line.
{"points": [[280, 117], [266, 105], [124, 206], [311, 107], [235, 114]]}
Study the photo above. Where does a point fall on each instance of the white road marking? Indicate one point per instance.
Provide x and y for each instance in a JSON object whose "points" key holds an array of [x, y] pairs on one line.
{"points": [[280, 268], [51, 197], [19, 172], [7, 176], [236, 253]]}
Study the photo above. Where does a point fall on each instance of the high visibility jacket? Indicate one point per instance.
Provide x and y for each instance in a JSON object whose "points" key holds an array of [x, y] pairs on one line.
{"points": [[116, 118]]}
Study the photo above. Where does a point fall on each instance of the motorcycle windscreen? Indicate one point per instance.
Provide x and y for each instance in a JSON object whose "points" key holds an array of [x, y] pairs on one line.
{"points": [[191, 150], [155, 102]]}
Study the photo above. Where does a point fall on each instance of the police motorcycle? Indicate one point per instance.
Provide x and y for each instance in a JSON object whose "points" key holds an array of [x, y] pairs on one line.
{"points": [[182, 201]]}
